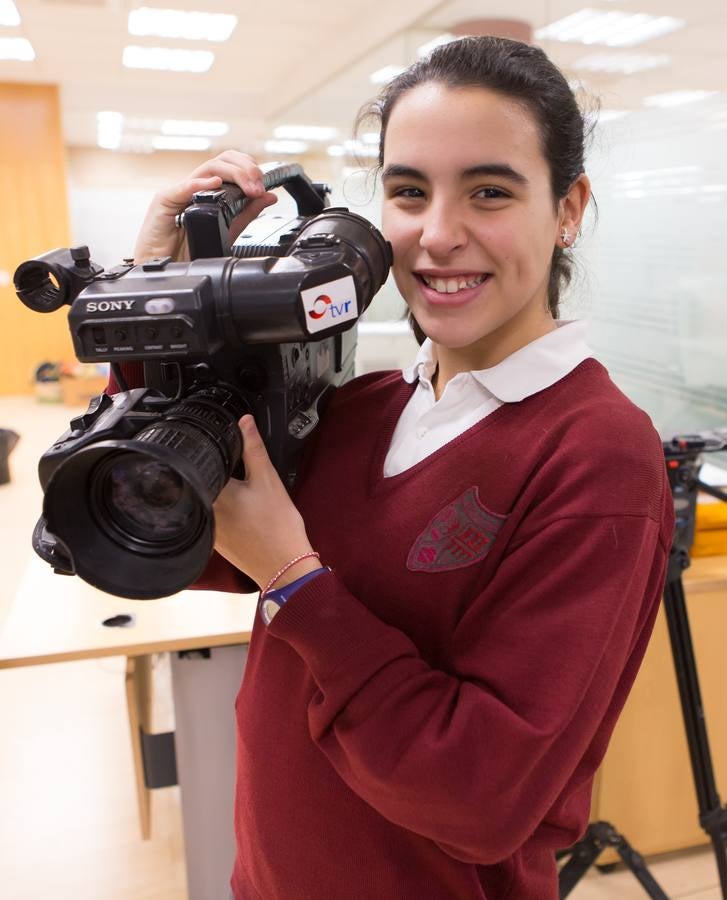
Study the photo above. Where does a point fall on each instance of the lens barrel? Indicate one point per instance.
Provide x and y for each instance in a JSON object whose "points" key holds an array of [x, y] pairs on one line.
{"points": [[136, 515]]}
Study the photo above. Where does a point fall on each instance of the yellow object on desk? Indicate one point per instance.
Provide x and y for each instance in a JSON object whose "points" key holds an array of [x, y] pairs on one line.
{"points": [[710, 536]]}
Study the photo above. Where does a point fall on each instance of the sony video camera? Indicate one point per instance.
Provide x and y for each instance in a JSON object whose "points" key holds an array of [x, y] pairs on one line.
{"points": [[265, 326]]}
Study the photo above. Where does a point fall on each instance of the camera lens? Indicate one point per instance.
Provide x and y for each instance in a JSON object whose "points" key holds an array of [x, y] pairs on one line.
{"points": [[145, 500]]}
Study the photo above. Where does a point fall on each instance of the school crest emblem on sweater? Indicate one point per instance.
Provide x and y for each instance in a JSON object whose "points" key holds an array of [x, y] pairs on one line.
{"points": [[459, 535]]}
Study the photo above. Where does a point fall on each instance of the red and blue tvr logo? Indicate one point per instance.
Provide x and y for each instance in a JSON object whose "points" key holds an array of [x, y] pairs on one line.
{"points": [[324, 305]]}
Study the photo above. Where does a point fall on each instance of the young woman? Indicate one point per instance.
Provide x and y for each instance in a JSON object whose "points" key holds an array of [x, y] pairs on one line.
{"points": [[427, 699]]}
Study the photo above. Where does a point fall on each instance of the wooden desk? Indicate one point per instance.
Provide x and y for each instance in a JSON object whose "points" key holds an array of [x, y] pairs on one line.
{"points": [[645, 786], [55, 618]]}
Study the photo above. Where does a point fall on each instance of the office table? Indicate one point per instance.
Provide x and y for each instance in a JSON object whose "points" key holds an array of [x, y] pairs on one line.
{"points": [[55, 618]]}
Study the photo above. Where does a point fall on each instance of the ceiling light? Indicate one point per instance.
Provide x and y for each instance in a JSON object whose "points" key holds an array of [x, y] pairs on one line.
{"points": [[305, 132], [438, 41], [9, 14], [676, 98], [16, 48], [336, 150], [173, 23], [168, 59], [385, 74], [165, 142], [626, 63], [371, 137], [612, 28], [195, 127], [285, 146]]}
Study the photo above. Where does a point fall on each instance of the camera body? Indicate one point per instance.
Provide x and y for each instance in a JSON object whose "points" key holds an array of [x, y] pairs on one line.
{"points": [[266, 326]]}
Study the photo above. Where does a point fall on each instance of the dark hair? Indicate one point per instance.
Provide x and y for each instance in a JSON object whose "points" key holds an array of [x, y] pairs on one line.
{"points": [[519, 71]]}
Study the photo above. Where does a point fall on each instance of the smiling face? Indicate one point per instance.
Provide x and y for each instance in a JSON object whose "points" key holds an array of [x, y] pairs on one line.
{"points": [[470, 213]]}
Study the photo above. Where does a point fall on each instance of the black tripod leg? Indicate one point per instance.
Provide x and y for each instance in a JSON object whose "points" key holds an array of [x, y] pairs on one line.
{"points": [[582, 857], [599, 836], [635, 862], [712, 816]]}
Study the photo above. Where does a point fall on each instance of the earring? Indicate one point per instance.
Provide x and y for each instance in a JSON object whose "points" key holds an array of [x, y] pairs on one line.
{"points": [[565, 237]]}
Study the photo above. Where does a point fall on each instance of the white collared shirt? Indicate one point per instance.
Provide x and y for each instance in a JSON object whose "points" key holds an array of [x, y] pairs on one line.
{"points": [[426, 424]]}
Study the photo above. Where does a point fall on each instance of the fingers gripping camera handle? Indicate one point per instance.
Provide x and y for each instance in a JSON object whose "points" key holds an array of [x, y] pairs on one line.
{"points": [[292, 177]]}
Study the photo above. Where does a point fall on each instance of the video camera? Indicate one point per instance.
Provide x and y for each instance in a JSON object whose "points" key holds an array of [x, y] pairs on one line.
{"points": [[265, 326]]}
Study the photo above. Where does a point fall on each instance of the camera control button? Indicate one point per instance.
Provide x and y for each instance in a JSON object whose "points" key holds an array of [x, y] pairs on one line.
{"points": [[95, 408], [159, 306], [156, 265]]}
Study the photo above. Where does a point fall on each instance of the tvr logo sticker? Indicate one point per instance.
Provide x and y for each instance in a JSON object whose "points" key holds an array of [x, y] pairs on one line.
{"points": [[324, 305], [329, 304]]}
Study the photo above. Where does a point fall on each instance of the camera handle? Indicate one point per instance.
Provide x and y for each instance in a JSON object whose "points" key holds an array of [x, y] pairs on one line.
{"points": [[208, 218]]}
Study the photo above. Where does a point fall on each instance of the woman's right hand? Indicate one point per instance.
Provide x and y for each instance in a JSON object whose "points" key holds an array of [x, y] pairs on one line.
{"points": [[159, 235]]}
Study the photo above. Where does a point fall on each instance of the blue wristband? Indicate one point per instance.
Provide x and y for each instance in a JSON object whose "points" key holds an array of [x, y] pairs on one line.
{"points": [[274, 600]]}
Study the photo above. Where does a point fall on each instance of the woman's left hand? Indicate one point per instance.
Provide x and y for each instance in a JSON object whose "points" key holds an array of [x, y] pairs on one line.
{"points": [[257, 527]]}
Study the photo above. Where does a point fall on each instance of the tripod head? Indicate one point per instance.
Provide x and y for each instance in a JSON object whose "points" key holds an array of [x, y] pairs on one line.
{"points": [[683, 461]]}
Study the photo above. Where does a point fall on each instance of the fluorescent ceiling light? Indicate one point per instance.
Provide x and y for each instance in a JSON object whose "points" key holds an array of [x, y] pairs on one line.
{"points": [[626, 63], [385, 74], [371, 137], [285, 146], [676, 98], [173, 23], [304, 132], [195, 127], [612, 28], [16, 48], [164, 142], [167, 59], [336, 150], [438, 41], [9, 14]]}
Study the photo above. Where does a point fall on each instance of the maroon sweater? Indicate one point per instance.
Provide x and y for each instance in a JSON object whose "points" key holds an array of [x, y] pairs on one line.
{"points": [[425, 722]]}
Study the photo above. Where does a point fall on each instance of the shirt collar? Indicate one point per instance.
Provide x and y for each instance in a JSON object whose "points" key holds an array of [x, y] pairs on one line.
{"points": [[528, 370]]}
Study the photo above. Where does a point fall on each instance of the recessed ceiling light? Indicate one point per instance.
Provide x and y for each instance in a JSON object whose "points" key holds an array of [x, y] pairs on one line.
{"points": [[167, 142], [676, 98], [165, 58], [385, 74], [279, 146], [19, 49], [438, 41], [9, 14], [305, 132], [174, 23], [612, 28], [194, 127], [627, 63]]}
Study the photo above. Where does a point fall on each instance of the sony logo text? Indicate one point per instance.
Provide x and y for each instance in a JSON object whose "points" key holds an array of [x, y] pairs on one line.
{"points": [[109, 305]]}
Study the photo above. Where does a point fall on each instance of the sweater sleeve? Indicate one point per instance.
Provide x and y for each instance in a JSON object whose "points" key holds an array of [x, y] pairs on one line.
{"points": [[475, 757]]}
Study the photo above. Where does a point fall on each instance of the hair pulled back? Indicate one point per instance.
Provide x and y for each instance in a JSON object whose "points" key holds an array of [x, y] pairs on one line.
{"points": [[519, 71]]}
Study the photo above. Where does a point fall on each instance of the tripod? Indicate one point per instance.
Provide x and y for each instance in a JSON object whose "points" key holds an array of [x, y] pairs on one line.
{"points": [[683, 459]]}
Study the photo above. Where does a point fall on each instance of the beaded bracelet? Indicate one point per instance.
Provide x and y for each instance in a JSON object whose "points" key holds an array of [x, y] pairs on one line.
{"points": [[288, 565]]}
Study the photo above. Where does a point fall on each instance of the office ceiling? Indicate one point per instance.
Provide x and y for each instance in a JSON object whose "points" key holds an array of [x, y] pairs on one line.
{"points": [[308, 61]]}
